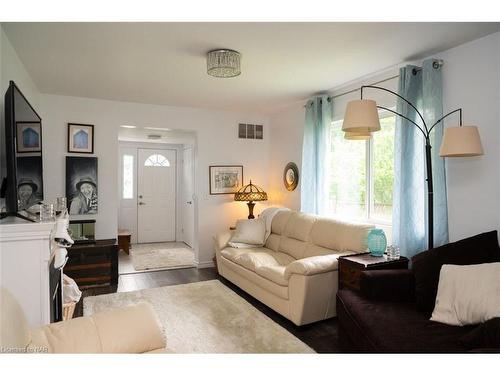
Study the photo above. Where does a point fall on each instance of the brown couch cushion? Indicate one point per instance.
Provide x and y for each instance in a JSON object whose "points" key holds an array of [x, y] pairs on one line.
{"points": [[426, 266], [389, 327]]}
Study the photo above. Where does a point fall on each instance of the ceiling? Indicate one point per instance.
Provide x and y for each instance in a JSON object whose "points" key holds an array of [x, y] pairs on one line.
{"points": [[164, 63]]}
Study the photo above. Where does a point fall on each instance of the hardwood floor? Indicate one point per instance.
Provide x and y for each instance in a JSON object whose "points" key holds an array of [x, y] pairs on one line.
{"points": [[321, 336]]}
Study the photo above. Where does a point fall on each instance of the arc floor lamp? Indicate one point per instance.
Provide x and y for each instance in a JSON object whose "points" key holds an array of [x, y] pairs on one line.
{"points": [[362, 118]]}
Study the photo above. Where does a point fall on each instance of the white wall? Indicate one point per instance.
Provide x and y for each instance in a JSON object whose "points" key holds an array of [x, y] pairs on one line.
{"points": [[217, 145], [12, 69], [471, 80], [287, 131]]}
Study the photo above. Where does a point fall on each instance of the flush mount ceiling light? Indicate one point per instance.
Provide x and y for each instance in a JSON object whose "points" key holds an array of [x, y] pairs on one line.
{"points": [[223, 63]]}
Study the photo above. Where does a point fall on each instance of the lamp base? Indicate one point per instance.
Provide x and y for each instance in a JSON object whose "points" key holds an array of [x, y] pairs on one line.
{"points": [[250, 205]]}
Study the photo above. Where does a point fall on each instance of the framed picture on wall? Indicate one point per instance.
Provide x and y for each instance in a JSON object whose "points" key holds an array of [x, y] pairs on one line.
{"points": [[81, 185], [81, 138], [225, 179], [29, 137]]}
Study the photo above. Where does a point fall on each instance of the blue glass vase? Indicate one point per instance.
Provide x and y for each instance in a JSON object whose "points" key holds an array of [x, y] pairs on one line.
{"points": [[377, 242]]}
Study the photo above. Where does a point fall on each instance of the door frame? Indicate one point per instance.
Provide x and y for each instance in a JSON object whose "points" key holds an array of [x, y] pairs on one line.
{"points": [[132, 148], [182, 202]]}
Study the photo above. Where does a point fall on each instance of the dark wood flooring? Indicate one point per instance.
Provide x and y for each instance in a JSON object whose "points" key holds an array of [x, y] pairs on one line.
{"points": [[321, 336]]}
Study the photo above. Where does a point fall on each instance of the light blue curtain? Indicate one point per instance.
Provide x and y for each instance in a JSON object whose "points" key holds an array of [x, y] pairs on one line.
{"points": [[313, 186], [423, 88]]}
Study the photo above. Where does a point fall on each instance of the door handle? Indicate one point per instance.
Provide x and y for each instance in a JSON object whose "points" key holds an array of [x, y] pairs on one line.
{"points": [[189, 202], [141, 203]]}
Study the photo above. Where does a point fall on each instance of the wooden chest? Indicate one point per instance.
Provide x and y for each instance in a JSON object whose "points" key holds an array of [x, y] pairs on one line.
{"points": [[351, 267], [93, 264]]}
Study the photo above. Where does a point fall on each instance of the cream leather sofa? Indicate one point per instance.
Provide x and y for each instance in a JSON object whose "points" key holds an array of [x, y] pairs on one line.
{"points": [[133, 329], [296, 272]]}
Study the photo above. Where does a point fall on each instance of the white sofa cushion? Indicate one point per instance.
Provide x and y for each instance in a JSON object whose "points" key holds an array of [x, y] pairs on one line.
{"points": [[340, 236], [275, 274], [312, 265], [279, 222], [232, 253], [299, 226], [250, 232], [253, 258], [467, 294], [296, 234]]}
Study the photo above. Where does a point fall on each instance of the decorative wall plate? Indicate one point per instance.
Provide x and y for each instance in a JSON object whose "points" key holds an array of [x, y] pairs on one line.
{"points": [[291, 176]]}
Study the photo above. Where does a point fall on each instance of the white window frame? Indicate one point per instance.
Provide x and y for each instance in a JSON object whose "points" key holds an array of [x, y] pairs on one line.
{"points": [[369, 203], [369, 172]]}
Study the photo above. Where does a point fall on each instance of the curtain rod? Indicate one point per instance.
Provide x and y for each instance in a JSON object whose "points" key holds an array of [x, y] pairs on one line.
{"points": [[359, 88], [436, 65]]}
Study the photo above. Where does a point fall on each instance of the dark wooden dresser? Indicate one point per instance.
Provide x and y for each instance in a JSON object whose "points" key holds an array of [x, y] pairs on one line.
{"points": [[351, 267], [92, 264]]}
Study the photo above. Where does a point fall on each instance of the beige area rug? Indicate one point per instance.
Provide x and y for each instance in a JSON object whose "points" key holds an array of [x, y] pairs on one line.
{"points": [[160, 256], [206, 317]]}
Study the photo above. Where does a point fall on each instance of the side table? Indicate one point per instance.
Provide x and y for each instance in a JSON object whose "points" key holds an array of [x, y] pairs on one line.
{"points": [[351, 267]]}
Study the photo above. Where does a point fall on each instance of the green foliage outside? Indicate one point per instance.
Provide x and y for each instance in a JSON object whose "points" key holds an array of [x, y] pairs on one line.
{"points": [[348, 174]]}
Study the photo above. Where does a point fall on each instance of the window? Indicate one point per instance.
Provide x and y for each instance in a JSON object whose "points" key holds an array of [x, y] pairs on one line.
{"points": [[361, 173], [128, 177], [157, 160]]}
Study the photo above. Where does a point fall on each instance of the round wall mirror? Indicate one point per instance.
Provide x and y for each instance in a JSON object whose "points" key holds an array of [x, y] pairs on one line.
{"points": [[291, 176]]}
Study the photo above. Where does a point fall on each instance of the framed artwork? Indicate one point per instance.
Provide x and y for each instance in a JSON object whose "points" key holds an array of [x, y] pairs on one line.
{"points": [[291, 176], [225, 179], [81, 138], [81, 185], [29, 181], [28, 136]]}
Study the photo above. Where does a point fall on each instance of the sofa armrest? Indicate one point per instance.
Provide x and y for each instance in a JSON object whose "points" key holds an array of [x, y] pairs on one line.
{"points": [[388, 285], [312, 265], [221, 240], [132, 329]]}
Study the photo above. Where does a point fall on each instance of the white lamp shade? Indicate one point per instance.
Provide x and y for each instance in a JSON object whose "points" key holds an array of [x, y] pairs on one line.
{"points": [[461, 141], [361, 116], [353, 136]]}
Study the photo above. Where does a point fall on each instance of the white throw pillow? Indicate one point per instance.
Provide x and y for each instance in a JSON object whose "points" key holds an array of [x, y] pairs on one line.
{"points": [[250, 232], [467, 294]]}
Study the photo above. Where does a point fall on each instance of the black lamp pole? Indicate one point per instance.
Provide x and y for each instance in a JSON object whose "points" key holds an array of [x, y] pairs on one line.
{"points": [[426, 131]]}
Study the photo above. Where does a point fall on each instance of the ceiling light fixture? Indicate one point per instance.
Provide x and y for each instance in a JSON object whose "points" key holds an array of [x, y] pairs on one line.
{"points": [[128, 126], [224, 63]]}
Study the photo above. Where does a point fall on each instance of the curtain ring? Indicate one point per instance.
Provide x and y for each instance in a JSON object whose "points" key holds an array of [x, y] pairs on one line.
{"points": [[436, 64]]}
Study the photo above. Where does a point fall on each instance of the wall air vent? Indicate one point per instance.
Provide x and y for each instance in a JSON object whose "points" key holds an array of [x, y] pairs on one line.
{"points": [[250, 131], [154, 136]]}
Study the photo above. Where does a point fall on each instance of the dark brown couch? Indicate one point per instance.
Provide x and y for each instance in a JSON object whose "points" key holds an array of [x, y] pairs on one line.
{"points": [[391, 312]]}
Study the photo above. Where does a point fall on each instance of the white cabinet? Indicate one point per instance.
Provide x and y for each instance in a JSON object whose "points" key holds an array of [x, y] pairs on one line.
{"points": [[25, 256]]}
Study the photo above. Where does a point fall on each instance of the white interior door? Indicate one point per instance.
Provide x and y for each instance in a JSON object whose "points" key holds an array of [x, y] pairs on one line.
{"points": [[187, 196], [156, 197]]}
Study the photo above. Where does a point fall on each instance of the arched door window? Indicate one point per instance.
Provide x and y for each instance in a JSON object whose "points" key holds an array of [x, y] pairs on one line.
{"points": [[157, 160]]}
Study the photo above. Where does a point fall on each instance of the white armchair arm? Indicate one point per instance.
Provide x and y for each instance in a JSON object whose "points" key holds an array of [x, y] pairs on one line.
{"points": [[312, 265], [132, 329], [221, 240]]}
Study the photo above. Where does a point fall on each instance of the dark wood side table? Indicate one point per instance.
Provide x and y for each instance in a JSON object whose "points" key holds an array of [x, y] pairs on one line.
{"points": [[351, 267], [92, 264], [124, 240]]}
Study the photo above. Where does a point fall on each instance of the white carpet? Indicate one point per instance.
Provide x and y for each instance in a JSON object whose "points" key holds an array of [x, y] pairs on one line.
{"points": [[206, 317], [160, 256]]}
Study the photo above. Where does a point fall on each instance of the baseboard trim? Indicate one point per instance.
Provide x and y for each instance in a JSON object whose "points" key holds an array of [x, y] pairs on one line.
{"points": [[206, 264]]}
